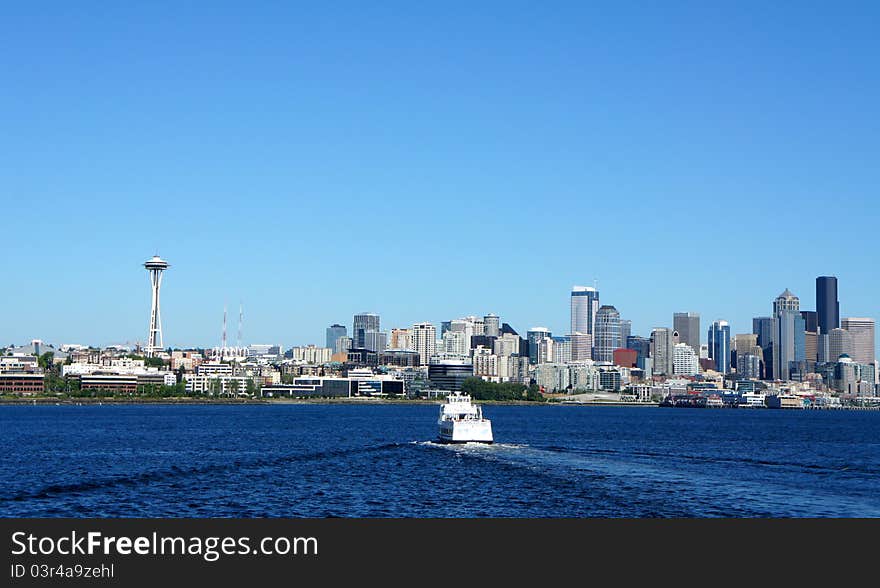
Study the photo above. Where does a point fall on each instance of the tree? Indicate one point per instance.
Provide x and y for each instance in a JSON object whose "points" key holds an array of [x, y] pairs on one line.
{"points": [[251, 388], [46, 361], [233, 387]]}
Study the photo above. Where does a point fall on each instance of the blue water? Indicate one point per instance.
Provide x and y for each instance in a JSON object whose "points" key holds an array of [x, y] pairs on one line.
{"points": [[379, 461]]}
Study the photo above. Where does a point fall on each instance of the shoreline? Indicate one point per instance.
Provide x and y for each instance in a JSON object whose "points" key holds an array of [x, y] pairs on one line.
{"points": [[181, 401]]}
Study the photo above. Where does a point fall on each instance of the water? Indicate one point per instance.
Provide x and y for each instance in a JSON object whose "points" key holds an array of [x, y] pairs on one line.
{"points": [[312, 460]]}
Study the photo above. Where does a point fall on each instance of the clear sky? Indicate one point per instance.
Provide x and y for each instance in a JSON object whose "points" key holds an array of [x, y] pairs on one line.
{"points": [[431, 160]]}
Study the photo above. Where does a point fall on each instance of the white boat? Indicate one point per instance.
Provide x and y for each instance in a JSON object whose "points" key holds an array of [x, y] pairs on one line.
{"points": [[463, 422]]}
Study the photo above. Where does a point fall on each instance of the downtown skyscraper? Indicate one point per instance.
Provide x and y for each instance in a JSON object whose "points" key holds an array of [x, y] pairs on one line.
{"points": [[584, 307], [688, 326], [607, 334], [719, 345], [361, 324]]}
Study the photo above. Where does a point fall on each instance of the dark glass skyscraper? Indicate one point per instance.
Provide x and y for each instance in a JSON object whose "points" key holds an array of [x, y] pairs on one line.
{"points": [[827, 306], [334, 332], [719, 345], [363, 322]]}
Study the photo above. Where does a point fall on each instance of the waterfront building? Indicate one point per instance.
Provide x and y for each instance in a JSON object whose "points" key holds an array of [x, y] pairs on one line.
{"points": [[687, 324], [606, 334], [334, 332], [719, 345], [424, 341], [449, 374], [534, 336], [685, 361], [358, 383], [584, 307], [361, 324], [21, 383], [861, 330], [486, 364]]}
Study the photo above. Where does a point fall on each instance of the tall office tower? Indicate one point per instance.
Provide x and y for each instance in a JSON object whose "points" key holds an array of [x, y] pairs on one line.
{"points": [[581, 346], [743, 343], [684, 360], [642, 346], [662, 350], [786, 301], [156, 266], [764, 327], [561, 349], [492, 325], [748, 366], [376, 341], [402, 339], [506, 345], [424, 341], [625, 331], [343, 344], [606, 333], [534, 336], [719, 345], [862, 331], [444, 326], [334, 332], [840, 342], [811, 320], [827, 306], [363, 322], [584, 306], [789, 343], [688, 326]]}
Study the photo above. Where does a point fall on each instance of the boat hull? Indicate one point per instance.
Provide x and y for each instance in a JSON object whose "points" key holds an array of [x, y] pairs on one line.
{"points": [[465, 431]]}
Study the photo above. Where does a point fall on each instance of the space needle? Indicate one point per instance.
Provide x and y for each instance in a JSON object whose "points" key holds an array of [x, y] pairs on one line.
{"points": [[155, 266]]}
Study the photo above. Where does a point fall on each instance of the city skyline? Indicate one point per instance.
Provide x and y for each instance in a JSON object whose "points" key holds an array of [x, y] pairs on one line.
{"points": [[277, 164]]}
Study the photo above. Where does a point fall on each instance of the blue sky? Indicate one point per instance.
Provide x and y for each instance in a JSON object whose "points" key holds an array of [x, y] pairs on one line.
{"points": [[431, 160]]}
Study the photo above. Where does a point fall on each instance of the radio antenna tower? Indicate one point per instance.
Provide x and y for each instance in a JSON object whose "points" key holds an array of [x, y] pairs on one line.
{"points": [[240, 319], [223, 337]]}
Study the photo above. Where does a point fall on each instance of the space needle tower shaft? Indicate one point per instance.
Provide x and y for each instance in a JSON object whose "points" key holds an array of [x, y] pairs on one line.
{"points": [[156, 266]]}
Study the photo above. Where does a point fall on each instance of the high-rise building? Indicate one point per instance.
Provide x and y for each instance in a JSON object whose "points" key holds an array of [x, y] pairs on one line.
{"points": [[584, 306], [642, 346], [376, 341], [719, 345], [561, 349], [840, 343], [334, 332], [625, 332], [534, 336], [765, 327], [343, 344], [581, 346], [685, 361], [606, 333], [492, 325], [455, 343], [789, 335], [862, 331], [688, 326], [363, 322], [827, 306], [811, 320], [424, 341], [786, 301], [663, 342], [402, 339]]}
